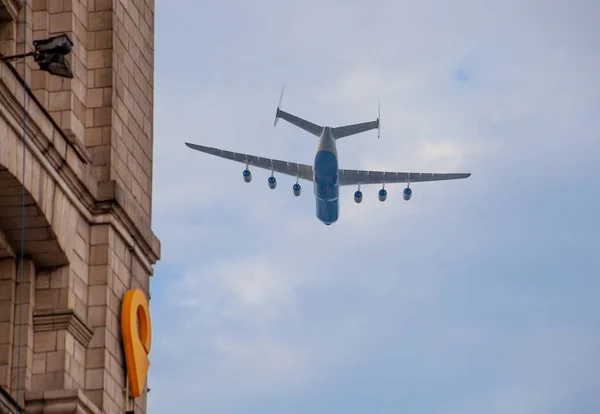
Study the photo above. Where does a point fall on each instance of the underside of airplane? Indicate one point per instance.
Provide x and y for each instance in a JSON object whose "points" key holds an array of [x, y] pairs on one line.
{"points": [[325, 174]]}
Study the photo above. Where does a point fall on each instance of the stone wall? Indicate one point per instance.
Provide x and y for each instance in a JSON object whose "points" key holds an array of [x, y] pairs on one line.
{"points": [[88, 182]]}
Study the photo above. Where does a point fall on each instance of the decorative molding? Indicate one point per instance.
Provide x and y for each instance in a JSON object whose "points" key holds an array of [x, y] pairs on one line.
{"points": [[144, 244], [6, 251], [80, 150], [59, 401], [57, 319], [84, 194], [8, 405], [10, 9]]}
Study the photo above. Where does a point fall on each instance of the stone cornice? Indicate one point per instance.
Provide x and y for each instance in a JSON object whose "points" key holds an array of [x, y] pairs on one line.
{"points": [[18, 83], [11, 9], [7, 402], [58, 319], [59, 401], [45, 139], [67, 166], [5, 250], [137, 234]]}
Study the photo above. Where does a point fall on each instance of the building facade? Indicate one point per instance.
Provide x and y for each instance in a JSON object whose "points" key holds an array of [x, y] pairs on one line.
{"points": [[78, 151]]}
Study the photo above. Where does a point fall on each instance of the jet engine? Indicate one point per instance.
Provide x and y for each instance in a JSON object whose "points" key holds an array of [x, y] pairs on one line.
{"points": [[297, 189], [247, 176], [407, 194], [358, 196], [272, 182], [382, 194]]}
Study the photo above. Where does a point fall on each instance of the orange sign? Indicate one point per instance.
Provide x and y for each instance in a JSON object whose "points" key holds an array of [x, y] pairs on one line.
{"points": [[136, 328]]}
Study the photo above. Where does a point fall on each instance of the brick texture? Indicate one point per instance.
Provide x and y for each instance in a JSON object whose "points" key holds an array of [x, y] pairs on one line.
{"points": [[120, 59], [88, 191], [134, 85], [8, 276]]}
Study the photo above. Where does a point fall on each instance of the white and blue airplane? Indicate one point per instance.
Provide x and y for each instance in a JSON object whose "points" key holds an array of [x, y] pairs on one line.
{"points": [[325, 173]]}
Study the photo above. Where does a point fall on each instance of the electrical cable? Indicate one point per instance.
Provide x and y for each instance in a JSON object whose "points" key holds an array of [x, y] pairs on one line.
{"points": [[23, 194]]}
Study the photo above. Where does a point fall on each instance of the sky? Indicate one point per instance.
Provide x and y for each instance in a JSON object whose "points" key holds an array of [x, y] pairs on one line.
{"points": [[477, 295]]}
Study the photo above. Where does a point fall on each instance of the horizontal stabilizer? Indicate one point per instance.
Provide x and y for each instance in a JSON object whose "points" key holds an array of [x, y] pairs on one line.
{"points": [[348, 130], [297, 121]]}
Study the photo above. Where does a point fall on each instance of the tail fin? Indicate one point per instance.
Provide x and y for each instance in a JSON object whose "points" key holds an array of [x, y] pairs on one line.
{"points": [[347, 130], [278, 106], [294, 120]]}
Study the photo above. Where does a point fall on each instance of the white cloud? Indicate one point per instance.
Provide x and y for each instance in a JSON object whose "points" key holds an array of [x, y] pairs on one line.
{"points": [[270, 302], [254, 287]]}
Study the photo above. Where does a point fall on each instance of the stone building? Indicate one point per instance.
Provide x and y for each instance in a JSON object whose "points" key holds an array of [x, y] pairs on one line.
{"points": [[87, 176]]}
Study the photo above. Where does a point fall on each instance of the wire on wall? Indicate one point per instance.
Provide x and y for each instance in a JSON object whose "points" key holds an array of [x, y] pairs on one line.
{"points": [[23, 195]]}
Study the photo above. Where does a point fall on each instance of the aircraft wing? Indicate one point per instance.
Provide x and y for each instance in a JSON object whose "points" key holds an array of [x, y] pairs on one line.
{"points": [[284, 167], [355, 177]]}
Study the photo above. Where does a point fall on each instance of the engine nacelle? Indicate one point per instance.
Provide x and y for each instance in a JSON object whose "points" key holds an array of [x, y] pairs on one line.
{"points": [[272, 182], [297, 189], [382, 194], [247, 176], [407, 194], [358, 196]]}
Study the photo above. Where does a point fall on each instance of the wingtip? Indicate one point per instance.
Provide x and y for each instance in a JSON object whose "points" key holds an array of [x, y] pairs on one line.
{"points": [[191, 146]]}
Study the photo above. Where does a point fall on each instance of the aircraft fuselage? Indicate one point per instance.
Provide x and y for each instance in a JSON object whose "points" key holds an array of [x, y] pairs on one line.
{"points": [[326, 178]]}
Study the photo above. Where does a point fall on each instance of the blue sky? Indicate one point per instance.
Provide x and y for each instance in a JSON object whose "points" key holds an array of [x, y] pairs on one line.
{"points": [[478, 295]]}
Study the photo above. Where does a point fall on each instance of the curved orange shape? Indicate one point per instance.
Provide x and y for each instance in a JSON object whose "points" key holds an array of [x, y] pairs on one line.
{"points": [[136, 342]]}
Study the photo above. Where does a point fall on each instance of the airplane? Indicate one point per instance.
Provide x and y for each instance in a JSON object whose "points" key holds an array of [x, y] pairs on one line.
{"points": [[325, 173]]}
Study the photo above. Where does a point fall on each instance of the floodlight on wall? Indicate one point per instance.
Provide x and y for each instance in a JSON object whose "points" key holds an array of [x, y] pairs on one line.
{"points": [[49, 54], [60, 44], [54, 64]]}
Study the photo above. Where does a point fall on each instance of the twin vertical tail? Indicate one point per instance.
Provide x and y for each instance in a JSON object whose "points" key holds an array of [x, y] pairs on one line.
{"points": [[278, 106], [339, 132], [378, 118]]}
